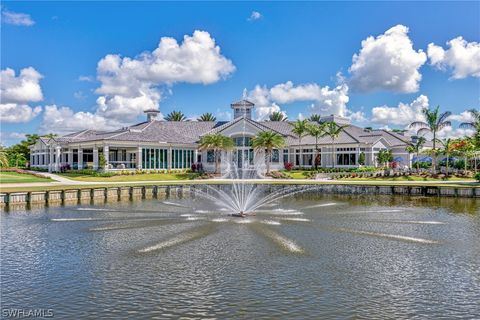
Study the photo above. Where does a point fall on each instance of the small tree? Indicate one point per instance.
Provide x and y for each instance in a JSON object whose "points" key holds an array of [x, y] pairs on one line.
{"points": [[416, 148], [384, 157], [361, 158], [268, 140], [102, 162], [448, 149], [3, 157], [216, 142]]}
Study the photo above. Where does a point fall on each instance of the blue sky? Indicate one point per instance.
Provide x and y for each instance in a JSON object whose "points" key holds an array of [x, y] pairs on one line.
{"points": [[305, 43]]}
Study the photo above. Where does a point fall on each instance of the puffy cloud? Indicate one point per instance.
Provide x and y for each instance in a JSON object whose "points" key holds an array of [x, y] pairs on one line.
{"points": [[325, 100], [16, 92], [130, 85], [12, 112], [17, 19], [465, 116], [462, 57], [255, 15], [22, 88], [9, 138], [403, 114], [63, 120], [387, 62], [451, 132]]}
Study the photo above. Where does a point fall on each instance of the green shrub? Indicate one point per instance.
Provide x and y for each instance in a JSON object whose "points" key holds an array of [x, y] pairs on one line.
{"points": [[477, 176]]}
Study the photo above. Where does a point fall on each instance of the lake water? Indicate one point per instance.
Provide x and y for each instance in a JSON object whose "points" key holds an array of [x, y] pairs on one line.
{"points": [[311, 256]]}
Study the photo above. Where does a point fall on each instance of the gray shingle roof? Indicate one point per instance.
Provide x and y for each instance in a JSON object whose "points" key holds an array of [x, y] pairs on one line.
{"points": [[190, 132]]}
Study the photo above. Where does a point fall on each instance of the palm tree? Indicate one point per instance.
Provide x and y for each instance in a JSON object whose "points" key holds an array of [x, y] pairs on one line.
{"points": [[277, 116], [333, 130], [175, 116], [207, 116], [216, 142], [434, 122], [300, 129], [448, 148], [268, 140], [50, 135], [416, 148], [474, 124], [3, 157], [314, 118], [316, 131], [17, 158]]}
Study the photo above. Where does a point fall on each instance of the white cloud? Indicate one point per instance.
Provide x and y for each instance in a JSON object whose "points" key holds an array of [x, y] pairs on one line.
{"points": [[403, 114], [462, 57], [16, 92], [451, 132], [465, 116], [130, 85], [86, 78], [17, 19], [12, 112], [63, 120], [387, 62], [255, 15], [9, 138], [325, 100]]}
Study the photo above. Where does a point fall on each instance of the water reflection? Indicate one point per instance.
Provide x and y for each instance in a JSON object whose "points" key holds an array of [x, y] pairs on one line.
{"points": [[307, 256]]}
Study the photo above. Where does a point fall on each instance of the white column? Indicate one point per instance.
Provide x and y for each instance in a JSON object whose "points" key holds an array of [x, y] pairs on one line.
{"points": [[70, 157], [139, 158], [31, 158], [195, 156], [57, 158], [80, 158], [169, 158], [95, 158], [50, 159], [106, 155]]}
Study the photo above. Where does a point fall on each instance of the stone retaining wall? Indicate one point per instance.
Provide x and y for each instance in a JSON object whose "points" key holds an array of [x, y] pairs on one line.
{"points": [[75, 196]]}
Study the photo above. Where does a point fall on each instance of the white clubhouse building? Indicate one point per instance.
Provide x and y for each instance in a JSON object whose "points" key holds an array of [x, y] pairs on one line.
{"points": [[173, 145]]}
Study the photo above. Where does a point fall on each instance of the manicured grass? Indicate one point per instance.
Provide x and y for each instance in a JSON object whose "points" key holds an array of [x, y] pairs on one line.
{"points": [[136, 177], [14, 177]]}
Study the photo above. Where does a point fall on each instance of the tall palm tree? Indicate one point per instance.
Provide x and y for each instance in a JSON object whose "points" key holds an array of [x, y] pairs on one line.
{"points": [[314, 118], [333, 130], [277, 116], [416, 148], [268, 140], [434, 122], [3, 157], [300, 130], [175, 116], [216, 142], [473, 124], [316, 131], [448, 148], [207, 116]]}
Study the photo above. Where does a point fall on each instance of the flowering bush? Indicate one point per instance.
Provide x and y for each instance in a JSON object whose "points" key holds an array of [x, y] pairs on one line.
{"points": [[288, 166]]}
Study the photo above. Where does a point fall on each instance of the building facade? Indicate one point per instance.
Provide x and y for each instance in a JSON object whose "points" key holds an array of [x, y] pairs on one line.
{"points": [[171, 145]]}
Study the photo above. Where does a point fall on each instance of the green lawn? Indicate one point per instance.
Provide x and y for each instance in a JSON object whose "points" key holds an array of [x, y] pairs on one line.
{"points": [[14, 177], [136, 177]]}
